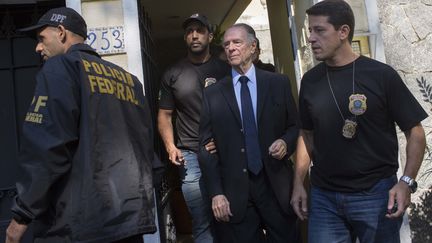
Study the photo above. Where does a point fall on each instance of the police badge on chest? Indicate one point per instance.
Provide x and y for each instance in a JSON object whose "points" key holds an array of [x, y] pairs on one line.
{"points": [[357, 104], [209, 81]]}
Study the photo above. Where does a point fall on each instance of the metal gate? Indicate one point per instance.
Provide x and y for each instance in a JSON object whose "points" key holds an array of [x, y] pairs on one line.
{"points": [[151, 83]]}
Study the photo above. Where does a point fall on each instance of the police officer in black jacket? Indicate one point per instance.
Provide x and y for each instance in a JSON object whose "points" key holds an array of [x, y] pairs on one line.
{"points": [[87, 144]]}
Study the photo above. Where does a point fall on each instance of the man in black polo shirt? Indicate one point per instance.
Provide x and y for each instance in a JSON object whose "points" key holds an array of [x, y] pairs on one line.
{"points": [[349, 106], [180, 94]]}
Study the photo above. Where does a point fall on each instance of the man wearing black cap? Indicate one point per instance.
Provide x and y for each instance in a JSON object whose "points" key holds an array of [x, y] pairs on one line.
{"points": [[86, 149], [181, 92]]}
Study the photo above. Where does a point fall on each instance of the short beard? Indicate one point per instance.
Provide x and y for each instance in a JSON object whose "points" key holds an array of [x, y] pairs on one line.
{"points": [[198, 52], [320, 59]]}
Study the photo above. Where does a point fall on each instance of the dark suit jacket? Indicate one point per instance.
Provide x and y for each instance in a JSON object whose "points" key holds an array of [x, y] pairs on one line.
{"points": [[226, 171]]}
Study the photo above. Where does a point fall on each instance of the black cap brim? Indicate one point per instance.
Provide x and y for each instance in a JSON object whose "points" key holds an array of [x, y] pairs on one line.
{"points": [[33, 28], [191, 20], [188, 21]]}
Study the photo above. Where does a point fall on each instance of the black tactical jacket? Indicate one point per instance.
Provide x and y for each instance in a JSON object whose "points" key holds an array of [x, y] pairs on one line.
{"points": [[86, 152]]}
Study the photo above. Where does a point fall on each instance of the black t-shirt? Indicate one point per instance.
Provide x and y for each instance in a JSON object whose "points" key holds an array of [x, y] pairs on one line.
{"points": [[181, 90], [349, 165]]}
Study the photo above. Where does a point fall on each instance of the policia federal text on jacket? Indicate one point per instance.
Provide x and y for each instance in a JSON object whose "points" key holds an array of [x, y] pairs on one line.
{"points": [[87, 149]]}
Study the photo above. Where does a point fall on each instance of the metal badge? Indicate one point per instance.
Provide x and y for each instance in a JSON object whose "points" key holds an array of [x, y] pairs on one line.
{"points": [[209, 81], [349, 129], [357, 104]]}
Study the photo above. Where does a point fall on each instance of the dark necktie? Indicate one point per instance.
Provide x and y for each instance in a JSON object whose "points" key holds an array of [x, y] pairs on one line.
{"points": [[250, 130]]}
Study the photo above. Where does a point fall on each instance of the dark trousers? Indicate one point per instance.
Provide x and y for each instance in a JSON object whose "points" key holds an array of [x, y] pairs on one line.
{"points": [[263, 214], [132, 239]]}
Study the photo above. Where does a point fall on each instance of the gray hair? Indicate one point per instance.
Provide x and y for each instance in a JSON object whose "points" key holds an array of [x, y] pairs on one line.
{"points": [[251, 37]]}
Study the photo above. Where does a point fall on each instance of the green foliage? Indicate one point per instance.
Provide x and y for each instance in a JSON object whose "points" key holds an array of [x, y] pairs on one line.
{"points": [[421, 213], [425, 89], [428, 159], [420, 219]]}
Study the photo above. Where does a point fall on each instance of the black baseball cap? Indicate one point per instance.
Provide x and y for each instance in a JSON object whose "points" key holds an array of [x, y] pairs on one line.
{"points": [[200, 18], [67, 17]]}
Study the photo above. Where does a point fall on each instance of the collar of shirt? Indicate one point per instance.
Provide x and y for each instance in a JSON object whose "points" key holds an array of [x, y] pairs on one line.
{"points": [[250, 74], [252, 85]]}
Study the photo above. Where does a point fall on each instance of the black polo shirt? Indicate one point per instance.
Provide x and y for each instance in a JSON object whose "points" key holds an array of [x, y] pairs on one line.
{"points": [[181, 91]]}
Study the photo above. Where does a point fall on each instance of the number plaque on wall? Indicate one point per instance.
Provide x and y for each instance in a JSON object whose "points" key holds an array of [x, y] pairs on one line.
{"points": [[106, 40]]}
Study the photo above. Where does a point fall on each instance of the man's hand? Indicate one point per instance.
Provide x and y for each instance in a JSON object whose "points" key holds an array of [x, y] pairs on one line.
{"points": [[175, 156], [221, 208], [278, 149], [15, 232], [211, 147], [299, 201], [401, 194]]}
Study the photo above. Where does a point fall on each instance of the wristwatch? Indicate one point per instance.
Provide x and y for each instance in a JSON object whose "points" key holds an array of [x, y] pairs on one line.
{"points": [[412, 184]]}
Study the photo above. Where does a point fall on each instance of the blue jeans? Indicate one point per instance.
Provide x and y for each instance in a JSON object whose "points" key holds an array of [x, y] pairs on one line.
{"points": [[342, 217], [196, 198]]}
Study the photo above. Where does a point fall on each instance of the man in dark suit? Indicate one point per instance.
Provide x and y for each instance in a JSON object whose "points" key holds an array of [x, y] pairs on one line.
{"points": [[251, 116]]}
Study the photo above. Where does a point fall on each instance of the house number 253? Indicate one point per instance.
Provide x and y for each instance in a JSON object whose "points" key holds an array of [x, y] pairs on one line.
{"points": [[106, 40]]}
